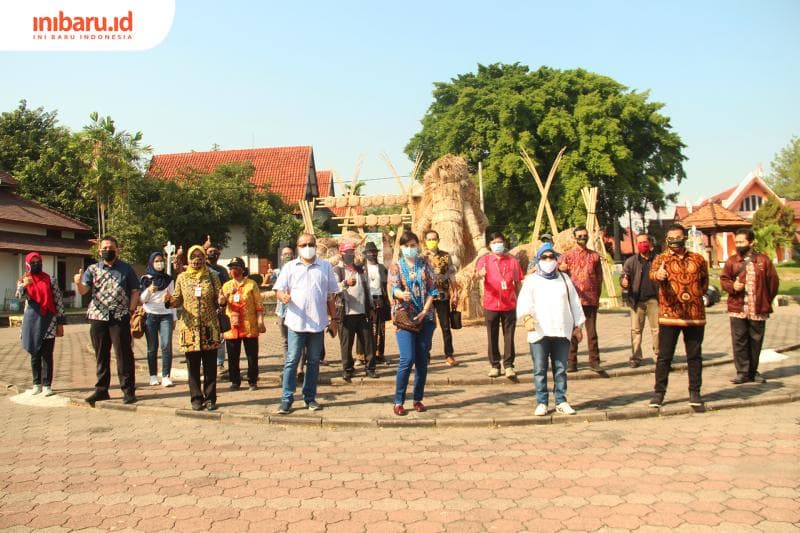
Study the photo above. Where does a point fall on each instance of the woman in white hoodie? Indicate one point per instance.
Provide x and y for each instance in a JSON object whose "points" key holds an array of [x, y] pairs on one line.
{"points": [[549, 307]]}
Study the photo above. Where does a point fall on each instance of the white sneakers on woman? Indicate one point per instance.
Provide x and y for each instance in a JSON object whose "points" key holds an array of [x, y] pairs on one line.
{"points": [[153, 380], [563, 408], [166, 382]]}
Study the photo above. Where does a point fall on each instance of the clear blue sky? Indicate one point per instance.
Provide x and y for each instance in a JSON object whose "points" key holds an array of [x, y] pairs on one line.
{"points": [[356, 77]]}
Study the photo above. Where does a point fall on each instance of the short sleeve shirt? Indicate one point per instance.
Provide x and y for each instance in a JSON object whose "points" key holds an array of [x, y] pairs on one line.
{"points": [[111, 290], [309, 287], [499, 289]]}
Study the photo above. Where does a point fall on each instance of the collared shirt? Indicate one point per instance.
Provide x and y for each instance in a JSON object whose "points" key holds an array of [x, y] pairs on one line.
{"points": [[353, 297], [443, 271], [111, 289], [586, 273], [748, 311], [309, 287], [374, 274], [499, 285], [680, 296]]}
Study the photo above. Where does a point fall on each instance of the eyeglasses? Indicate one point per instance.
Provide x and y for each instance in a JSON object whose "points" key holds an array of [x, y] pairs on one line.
{"points": [[305, 245], [548, 257]]}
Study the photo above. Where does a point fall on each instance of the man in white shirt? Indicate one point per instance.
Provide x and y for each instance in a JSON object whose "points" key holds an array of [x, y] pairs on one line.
{"points": [[306, 287]]}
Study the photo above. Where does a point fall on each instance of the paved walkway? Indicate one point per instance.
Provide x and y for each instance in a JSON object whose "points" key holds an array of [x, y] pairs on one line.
{"points": [[461, 395]]}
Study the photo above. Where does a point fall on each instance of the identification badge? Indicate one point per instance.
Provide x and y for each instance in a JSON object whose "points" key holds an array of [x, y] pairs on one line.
{"points": [[504, 285], [236, 298], [198, 292]]}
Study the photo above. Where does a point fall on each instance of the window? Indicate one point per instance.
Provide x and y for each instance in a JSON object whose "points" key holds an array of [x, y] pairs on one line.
{"points": [[751, 203]]}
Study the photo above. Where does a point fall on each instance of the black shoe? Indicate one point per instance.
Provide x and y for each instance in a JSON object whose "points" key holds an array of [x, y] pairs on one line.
{"points": [[572, 368], [695, 400], [211, 406], [757, 378], [371, 373], [347, 377], [657, 400], [129, 399], [236, 386], [197, 407], [634, 363], [595, 367], [97, 396], [738, 380]]}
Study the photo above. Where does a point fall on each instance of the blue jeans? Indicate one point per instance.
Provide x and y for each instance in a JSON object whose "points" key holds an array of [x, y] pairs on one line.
{"points": [[159, 327], [414, 350], [221, 352], [313, 343], [555, 349]]}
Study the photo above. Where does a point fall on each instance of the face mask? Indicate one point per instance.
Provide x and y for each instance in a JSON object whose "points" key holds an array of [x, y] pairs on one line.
{"points": [[36, 268], [349, 259], [741, 250], [676, 244], [372, 258], [547, 266], [237, 272], [431, 244], [308, 253], [581, 240], [108, 255], [213, 257], [410, 252], [286, 258], [196, 263], [158, 265], [643, 247], [498, 247]]}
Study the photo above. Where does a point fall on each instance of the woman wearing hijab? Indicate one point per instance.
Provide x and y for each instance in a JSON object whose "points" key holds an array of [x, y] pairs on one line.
{"points": [[159, 321], [551, 311], [412, 285], [246, 314], [198, 293], [42, 321]]}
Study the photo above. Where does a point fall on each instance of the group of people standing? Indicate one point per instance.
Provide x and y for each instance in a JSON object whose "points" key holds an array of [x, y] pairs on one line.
{"points": [[556, 301]]}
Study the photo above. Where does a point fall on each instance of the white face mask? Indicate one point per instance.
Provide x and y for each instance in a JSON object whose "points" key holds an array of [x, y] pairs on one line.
{"points": [[548, 266], [308, 252], [158, 265]]}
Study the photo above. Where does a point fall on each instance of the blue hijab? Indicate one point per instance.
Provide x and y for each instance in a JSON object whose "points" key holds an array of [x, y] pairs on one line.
{"points": [[546, 247], [160, 279]]}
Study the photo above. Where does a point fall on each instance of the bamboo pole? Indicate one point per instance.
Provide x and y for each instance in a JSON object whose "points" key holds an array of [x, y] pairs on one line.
{"points": [[544, 203], [589, 195]]}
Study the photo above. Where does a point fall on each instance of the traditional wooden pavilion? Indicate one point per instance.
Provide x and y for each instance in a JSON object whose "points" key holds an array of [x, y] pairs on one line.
{"points": [[711, 219]]}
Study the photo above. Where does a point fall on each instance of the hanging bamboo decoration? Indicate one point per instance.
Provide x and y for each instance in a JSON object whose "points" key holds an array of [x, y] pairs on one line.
{"points": [[544, 203], [596, 242], [307, 210]]}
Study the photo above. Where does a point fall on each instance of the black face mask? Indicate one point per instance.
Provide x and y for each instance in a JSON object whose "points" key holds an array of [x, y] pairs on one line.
{"points": [[741, 250], [108, 255], [676, 244], [349, 259], [372, 258], [582, 240], [213, 257], [36, 268]]}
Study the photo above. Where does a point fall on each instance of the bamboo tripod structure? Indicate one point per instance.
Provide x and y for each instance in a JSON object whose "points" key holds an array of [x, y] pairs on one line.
{"points": [[544, 189], [596, 242]]}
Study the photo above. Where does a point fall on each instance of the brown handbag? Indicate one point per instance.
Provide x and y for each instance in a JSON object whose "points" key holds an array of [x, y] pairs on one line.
{"points": [[401, 317]]}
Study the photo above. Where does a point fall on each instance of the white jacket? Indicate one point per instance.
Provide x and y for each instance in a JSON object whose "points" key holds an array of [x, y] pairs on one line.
{"points": [[553, 303]]}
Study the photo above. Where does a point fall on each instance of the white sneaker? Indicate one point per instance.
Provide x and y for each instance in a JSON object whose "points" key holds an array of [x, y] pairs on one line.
{"points": [[494, 372], [166, 382], [541, 410], [36, 389], [47, 391], [153, 380], [510, 373], [565, 409]]}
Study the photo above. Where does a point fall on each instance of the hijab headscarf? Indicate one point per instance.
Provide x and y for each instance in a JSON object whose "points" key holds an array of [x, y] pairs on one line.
{"points": [[198, 273], [160, 279], [40, 291], [546, 247]]}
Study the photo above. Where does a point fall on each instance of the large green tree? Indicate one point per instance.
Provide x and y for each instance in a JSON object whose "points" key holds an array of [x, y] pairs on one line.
{"points": [[785, 175], [616, 139], [47, 160], [773, 225]]}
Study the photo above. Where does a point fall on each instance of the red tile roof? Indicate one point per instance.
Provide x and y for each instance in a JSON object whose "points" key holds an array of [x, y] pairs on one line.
{"points": [[18, 210], [325, 182], [719, 197], [7, 180], [24, 242], [285, 169]]}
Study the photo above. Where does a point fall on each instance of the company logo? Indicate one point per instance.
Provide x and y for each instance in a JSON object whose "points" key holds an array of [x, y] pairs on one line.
{"points": [[81, 27], [86, 25]]}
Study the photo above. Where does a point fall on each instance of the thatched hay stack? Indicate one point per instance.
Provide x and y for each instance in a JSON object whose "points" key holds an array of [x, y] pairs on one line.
{"points": [[450, 205]]}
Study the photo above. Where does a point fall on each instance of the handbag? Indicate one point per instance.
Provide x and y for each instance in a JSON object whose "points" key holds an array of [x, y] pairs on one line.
{"points": [[455, 319], [224, 320], [401, 317], [137, 323]]}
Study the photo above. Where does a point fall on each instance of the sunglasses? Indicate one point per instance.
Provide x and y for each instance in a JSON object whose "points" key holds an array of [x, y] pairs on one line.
{"points": [[305, 245], [548, 256]]}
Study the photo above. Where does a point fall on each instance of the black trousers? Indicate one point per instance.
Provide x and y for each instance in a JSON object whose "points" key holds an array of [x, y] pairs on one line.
{"points": [[234, 348], [378, 325], [693, 342], [443, 316], [356, 326], [116, 333], [747, 337], [42, 363], [208, 360], [590, 312], [509, 321]]}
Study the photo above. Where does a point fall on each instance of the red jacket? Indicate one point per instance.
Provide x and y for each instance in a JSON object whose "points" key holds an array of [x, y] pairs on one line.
{"points": [[766, 283]]}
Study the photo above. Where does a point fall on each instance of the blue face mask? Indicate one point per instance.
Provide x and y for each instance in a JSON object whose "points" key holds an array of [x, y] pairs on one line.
{"points": [[498, 247], [410, 253]]}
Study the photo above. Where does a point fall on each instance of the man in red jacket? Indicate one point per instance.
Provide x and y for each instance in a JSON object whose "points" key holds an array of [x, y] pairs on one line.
{"points": [[751, 282]]}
